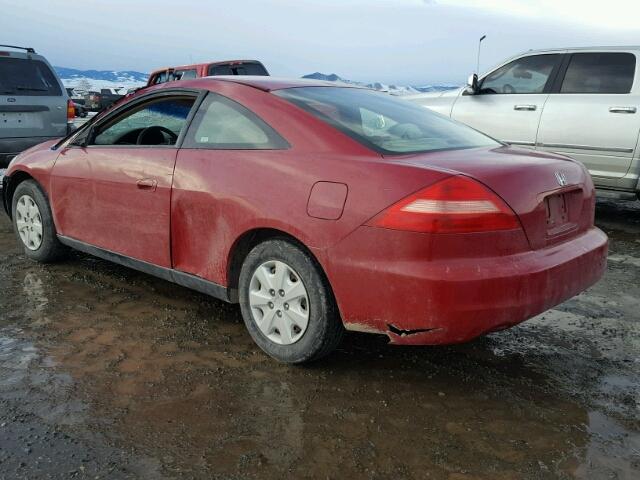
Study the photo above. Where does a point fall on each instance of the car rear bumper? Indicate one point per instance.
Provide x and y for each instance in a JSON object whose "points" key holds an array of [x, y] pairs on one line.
{"points": [[10, 147], [455, 300]]}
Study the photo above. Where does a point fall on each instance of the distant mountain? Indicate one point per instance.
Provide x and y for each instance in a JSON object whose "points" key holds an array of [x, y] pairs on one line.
{"points": [[391, 88], [97, 79]]}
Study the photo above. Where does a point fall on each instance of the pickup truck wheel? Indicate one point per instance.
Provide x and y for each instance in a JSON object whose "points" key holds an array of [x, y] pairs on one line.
{"points": [[286, 303], [33, 223]]}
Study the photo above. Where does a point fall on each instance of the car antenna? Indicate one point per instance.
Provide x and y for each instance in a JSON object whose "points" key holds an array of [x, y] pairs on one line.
{"points": [[479, 45]]}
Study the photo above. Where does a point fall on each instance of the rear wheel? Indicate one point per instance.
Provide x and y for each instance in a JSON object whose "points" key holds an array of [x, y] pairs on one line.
{"points": [[33, 223], [287, 304]]}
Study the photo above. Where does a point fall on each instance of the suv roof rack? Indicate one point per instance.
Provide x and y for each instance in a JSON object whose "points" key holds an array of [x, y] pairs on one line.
{"points": [[28, 49]]}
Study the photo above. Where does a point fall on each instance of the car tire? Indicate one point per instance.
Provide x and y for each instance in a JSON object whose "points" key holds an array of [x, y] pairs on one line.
{"points": [[33, 223], [277, 266]]}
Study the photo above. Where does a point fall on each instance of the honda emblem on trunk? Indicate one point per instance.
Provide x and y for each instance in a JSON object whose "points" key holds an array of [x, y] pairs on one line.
{"points": [[561, 178]]}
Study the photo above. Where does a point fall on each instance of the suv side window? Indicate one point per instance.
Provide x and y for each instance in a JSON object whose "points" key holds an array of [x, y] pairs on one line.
{"points": [[599, 73], [525, 75], [156, 122], [223, 124]]}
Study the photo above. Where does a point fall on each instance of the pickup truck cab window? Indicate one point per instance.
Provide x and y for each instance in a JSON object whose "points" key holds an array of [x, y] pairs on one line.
{"points": [[185, 74], [599, 72], [529, 74]]}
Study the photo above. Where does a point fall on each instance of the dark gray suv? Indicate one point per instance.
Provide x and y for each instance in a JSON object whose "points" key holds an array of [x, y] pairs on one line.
{"points": [[33, 103]]}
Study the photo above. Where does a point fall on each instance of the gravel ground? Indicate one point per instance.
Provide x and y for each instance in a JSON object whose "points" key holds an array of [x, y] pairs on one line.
{"points": [[109, 373]]}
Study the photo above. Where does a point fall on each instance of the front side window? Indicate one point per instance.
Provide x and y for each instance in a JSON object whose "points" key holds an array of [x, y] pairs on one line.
{"points": [[524, 75], [599, 73], [382, 122], [224, 124], [26, 77], [156, 122]]}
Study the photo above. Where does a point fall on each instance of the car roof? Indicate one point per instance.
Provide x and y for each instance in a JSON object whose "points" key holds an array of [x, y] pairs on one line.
{"points": [[266, 83], [620, 48]]}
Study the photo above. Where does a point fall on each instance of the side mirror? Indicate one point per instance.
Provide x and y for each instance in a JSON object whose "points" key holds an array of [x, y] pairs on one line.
{"points": [[472, 85]]}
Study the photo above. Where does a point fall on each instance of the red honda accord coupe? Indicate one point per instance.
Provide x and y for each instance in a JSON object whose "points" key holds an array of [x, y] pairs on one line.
{"points": [[316, 207]]}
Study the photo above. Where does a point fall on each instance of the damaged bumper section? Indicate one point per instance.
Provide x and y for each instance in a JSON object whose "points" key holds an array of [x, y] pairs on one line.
{"points": [[444, 301]]}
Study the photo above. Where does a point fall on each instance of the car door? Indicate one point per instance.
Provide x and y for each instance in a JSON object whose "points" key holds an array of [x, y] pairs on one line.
{"points": [[114, 193], [593, 116], [510, 99], [218, 159]]}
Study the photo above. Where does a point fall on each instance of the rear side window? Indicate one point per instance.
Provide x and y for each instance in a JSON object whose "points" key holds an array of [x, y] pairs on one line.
{"points": [[599, 73], [24, 77], [238, 69], [223, 124]]}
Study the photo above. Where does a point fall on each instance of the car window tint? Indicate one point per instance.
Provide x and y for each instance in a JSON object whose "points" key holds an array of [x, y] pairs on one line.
{"points": [[167, 115], [24, 77], [224, 124], [382, 122], [524, 75], [599, 73]]}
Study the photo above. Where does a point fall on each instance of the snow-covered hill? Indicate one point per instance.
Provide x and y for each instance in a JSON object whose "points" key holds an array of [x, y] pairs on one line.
{"points": [[391, 88], [97, 79]]}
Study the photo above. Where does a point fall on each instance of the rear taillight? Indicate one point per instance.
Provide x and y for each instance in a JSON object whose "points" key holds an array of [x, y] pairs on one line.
{"points": [[71, 110], [454, 205]]}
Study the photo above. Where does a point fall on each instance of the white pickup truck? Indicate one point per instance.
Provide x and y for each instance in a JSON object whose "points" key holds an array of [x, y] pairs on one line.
{"points": [[581, 102]]}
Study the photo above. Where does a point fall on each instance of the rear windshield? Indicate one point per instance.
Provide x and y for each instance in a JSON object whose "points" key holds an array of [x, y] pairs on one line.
{"points": [[238, 69], [384, 123], [22, 77]]}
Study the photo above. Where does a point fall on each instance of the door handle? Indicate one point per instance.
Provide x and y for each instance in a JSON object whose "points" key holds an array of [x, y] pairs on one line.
{"points": [[147, 184], [622, 109], [529, 108]]}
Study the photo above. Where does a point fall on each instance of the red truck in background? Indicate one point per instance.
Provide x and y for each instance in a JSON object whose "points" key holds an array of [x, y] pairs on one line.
{"points": [[197, 70]]}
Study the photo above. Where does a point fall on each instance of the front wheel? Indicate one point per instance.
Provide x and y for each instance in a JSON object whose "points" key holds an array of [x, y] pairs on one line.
{"points": [[286, 303], [33, 223]]}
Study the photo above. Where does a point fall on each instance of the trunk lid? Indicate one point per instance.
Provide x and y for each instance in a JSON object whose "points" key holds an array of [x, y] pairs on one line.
{"points": [[552, 195]]}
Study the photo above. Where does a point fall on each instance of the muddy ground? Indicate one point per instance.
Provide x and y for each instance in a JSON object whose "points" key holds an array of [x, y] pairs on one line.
{"points": [[110, 373]]}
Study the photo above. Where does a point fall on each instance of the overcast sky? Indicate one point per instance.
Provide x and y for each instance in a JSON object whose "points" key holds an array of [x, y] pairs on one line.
{"points": [[393, 41]]}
